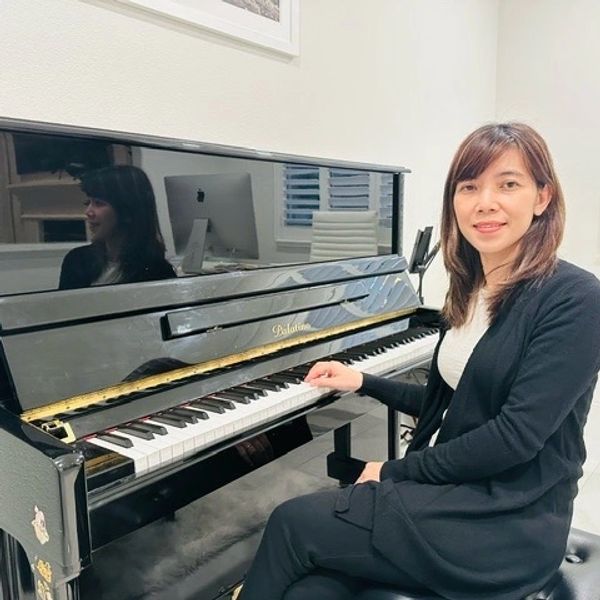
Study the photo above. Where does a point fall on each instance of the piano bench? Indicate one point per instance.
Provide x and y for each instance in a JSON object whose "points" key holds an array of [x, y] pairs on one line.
{"points": [[577, 579]]}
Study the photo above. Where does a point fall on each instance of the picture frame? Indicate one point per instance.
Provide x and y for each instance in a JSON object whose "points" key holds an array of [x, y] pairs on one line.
{"points": [[277, 28]]}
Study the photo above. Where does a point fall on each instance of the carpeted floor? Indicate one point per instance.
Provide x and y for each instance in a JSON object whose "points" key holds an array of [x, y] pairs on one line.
{"points": [[206, 547]]}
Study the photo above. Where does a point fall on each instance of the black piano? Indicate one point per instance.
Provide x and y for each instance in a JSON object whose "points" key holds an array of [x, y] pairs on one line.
{"points": [[123, 404]]}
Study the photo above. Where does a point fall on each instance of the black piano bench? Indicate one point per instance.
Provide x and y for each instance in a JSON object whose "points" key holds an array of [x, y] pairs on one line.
{"points": [[577, 579]]}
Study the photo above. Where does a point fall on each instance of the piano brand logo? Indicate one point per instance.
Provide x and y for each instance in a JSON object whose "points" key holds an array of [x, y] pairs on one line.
{"points": [[281, 329]]}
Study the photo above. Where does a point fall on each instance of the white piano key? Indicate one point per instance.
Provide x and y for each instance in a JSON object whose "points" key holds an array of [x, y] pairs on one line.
{"points": [[175, 436], [140, 461], [180, 442], [151, 451]]}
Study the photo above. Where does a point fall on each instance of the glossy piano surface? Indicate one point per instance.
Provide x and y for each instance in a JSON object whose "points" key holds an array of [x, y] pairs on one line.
{"points": [[123, 403], [202, 322]]}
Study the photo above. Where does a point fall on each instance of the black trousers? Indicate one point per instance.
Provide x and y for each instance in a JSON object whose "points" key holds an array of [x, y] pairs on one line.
{"points": [[308, 553]]}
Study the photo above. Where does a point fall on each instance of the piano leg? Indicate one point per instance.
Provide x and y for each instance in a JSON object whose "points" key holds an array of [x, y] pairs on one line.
{"points": [[6, 579], [340, 465], [392, 433], [20, 582], [15, 572], [65, 591]]}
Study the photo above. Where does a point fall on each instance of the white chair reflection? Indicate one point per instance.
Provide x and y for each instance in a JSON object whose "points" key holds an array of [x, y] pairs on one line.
{"points": [[343, 234]]}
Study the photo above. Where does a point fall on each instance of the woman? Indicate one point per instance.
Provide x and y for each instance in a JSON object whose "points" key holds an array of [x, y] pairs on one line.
{"points": [[126, 243], [481, 505]]}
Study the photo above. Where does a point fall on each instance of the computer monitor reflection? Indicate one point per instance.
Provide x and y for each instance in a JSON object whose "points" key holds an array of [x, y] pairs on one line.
{"points": [[216, 209]]}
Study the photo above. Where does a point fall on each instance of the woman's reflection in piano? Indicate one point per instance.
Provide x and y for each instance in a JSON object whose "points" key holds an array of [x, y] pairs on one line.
{"points": [[127, 245]]}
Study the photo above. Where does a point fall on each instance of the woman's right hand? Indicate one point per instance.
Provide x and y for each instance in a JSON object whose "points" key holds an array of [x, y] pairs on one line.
{"points": [[333, 374]]}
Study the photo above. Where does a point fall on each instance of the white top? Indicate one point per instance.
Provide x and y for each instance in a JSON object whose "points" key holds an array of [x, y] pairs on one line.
{"points": [[110, 274], [458, 344]]}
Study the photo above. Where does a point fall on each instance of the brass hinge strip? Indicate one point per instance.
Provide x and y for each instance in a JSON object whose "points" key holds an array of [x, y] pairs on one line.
{"points": [[146, 383]]}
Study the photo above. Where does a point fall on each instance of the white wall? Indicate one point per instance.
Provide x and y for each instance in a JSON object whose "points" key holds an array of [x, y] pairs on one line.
{"points": [[386, 81], [549, 76]]}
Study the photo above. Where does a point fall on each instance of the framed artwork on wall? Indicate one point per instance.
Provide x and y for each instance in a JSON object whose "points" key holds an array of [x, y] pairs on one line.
{"points": [[272, 24]]}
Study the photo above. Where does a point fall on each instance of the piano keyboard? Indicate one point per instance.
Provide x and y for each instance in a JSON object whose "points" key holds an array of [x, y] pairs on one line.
{"points": [[167, 437]]}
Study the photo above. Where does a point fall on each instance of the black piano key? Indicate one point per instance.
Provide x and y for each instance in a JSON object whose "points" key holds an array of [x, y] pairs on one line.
{"points": [[171, 420], [117, 440], [283, 378], [202, 415], [189, 416], [292, 375], [301, 371], [139, 433], [208, 406], [221, 405], [378, 350], [233, 397], [345, 360], [253, 388], [144, 425], [270, 385], [356, 355], [235, 391], [199, 414]]}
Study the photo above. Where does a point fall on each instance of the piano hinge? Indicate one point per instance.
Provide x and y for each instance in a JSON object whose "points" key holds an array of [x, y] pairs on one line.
{"points": [[60, 430]]}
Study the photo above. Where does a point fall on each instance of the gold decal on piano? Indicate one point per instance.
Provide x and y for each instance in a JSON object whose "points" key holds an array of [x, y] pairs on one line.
{"points": [[44, 569], [42, 591], [146, 383], [39, 526], [281, 330]]}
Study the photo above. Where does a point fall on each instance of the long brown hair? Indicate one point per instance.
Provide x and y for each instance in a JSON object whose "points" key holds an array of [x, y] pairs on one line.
{"points": [[536, 258], [129, 191]]}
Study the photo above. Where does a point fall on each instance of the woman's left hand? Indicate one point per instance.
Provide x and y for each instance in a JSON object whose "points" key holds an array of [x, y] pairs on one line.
{"points": [[371, 472]]}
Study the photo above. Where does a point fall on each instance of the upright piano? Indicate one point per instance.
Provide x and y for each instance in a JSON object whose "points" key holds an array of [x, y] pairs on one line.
{"points": [[120, 402]]}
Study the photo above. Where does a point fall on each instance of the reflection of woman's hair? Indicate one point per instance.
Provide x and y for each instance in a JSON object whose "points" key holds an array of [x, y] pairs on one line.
{"points": [[537, 251], [156, 366], [129, 191]]}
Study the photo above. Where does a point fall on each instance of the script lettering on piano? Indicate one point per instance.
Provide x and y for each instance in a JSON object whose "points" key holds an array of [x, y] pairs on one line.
{"points": [[281, 330]]}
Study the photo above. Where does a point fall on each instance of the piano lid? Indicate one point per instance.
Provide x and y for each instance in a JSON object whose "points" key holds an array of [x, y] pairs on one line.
{"points": [[100, 341]]}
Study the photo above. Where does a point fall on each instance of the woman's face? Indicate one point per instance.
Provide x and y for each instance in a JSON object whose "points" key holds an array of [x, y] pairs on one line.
{"points": [[495, 210], [101, 219]]}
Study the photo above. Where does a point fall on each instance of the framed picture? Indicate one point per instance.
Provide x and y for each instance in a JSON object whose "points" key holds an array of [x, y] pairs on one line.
{"points": [[268, 23]]}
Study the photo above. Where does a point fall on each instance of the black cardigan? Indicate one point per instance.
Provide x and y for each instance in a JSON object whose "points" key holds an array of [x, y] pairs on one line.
{"points": [[485, 512], [83, 265]]}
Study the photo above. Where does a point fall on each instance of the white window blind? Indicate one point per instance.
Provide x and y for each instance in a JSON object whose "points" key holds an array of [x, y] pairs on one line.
{"points": [[348, 189], [386, 191], [308, 188], [302, 193]]}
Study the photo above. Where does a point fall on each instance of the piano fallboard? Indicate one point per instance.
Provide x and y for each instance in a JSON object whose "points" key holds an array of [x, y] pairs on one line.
{"points": [[88, 366]]}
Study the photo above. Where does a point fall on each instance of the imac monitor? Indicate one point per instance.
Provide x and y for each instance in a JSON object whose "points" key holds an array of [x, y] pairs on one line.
{"points": [[193, 259], [420, 249], [223, 202]]}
